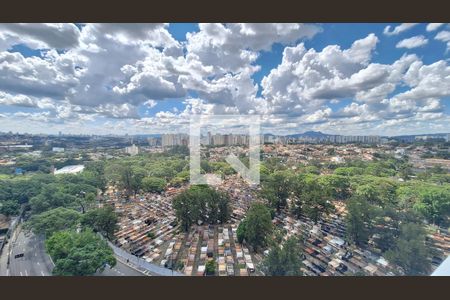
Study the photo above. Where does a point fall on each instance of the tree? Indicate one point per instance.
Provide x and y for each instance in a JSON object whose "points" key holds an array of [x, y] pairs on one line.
{"points": [[311, 169], [410, 251], [434, 204], [358, 220], [23, 189], [53, 220], [430, 200], [284, 259], [376, 190], [180, 179], [205, 166], [387, 225], [258, 225], [153, 184], [349, 171], [338, 185], [186, 210], [201, 203], [94, 172], [311, 198], [102, 220], [241, 231], [9, 208], [79, 254], [277, 188], [405, 170], [51, 196], [210, 267], [126, 177]]}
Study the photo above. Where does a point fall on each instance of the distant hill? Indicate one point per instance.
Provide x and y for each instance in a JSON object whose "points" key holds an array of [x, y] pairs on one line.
{"points": [[310, 134]]}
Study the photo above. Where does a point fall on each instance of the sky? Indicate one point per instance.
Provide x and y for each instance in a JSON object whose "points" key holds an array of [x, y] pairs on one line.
{"points": [[349, 79]]}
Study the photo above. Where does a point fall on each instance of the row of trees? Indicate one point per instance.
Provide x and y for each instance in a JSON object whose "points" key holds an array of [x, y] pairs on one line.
{"points": [[308, 195], [150, 174], [398, 234]]}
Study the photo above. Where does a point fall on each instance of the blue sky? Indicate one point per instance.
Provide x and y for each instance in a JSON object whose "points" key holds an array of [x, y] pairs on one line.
{"points": [[343, 34], [149, 78]]}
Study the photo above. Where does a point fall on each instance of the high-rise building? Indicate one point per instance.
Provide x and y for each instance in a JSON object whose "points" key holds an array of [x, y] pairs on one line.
{"points": [[132, 150], [178, 139], [153, 141]]}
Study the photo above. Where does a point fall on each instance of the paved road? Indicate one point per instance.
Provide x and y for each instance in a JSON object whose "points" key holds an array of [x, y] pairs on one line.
{"points": [[121, 269], [35, 261]]}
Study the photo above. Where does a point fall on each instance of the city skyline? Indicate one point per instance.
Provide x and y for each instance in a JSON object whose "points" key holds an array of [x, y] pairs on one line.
{"points": [[349, 79]]}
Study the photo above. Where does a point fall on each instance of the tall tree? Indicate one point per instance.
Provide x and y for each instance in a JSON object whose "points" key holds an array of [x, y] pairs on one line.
{"points": [[201, 203], [258, 226], [102, 220], [410, 251], [359, 220], [276, 188], [284, 259], [311, 198]]}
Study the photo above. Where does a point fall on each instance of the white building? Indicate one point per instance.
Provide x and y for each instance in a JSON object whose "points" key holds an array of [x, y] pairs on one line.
{"points": [[132, 150], [73, 169], [169, 140]]}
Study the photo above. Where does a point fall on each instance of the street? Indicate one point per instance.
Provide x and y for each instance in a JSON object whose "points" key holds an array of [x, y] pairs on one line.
{"points": [[35, 262], [120, 269]]}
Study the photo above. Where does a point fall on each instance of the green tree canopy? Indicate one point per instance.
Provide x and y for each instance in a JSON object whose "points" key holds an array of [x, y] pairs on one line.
{"points": [[338, 185], [430, 200], [9, 208], [277, 187], [103, 220], [79, 254], [284, 259], [258, 225], [53, 220], [153, 184], [201, 203], [359, 220], [51, 196], [210, 267], [311, 198], [410, 251]]}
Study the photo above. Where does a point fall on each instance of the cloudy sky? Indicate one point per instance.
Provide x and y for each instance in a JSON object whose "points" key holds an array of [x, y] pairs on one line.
{"points": [[386, 79]]}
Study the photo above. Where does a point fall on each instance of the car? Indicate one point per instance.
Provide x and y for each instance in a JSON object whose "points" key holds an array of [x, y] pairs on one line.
{"points": [[19, 255]]}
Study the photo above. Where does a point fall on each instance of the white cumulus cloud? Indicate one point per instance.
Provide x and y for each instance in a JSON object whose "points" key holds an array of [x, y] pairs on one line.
{"points": [[413, 42]]}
